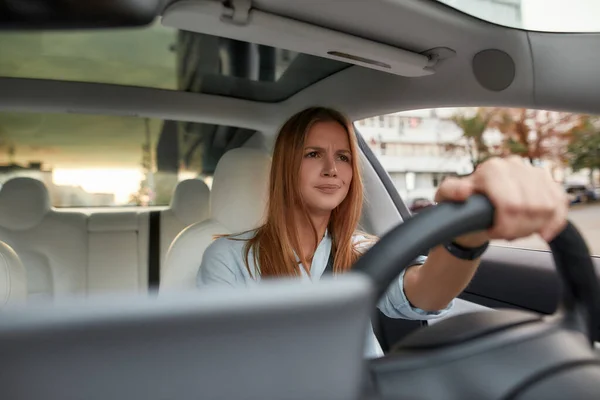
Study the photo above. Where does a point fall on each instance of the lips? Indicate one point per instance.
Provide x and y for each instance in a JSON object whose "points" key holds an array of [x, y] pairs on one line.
{"points": [[328, 188]]}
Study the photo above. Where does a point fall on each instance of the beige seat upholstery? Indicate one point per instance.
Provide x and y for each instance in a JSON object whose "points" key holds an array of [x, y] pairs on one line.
{"points": [[13, 278], [189, 205], [116, 253], [237, 203], [51, 244], [70, 253]]}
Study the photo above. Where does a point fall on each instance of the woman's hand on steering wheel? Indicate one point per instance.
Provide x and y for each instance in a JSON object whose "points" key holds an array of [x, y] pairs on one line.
{"points": [[526, 200]]}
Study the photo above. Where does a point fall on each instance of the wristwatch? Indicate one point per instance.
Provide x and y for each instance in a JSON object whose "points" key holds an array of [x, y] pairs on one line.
{"points": [[466, 253]]}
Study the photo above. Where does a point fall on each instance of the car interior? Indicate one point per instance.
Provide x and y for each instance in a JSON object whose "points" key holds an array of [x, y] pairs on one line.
{"points": [[99, 300]]}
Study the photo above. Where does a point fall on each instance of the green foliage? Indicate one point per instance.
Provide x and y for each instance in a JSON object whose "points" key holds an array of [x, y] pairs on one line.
{"points": [[584, 149], [516, 147], [473, 128]]}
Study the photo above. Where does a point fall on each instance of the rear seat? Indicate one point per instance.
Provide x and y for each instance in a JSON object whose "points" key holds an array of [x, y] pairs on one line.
{"points": [[115, 253], [119, 241], [67, 253], [13, 277], [52, 245]]}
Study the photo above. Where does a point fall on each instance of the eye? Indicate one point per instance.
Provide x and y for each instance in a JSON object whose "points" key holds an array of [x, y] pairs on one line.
{"points": [[312, 154], [344, 158]]}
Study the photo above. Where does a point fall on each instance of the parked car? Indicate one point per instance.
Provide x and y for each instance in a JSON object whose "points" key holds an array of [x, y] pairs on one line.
{"points": [[418, 204], [581, 193]]}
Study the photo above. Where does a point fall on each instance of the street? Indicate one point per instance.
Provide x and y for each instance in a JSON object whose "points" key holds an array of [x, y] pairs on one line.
{"points": [[585, 217]]}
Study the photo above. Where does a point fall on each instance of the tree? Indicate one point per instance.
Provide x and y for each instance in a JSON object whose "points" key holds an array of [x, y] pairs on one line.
{"points": [[473, 128], [584, 148], [536, 134]]}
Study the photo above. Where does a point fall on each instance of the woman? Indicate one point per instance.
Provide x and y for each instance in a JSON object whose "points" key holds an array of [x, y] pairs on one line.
{"points": [[315, 203]]}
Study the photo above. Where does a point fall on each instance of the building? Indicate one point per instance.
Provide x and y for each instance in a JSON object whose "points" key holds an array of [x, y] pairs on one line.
{"points": [[419, 148]]}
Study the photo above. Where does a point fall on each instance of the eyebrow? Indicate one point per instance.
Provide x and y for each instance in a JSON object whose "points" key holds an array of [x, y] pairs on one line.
{"points": [[322, 149]]}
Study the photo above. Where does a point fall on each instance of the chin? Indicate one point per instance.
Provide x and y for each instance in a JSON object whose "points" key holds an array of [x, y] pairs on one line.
{"points": [[323, 206]]}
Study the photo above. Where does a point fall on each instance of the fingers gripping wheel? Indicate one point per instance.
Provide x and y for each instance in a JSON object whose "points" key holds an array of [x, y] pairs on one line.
{"points": [[495, 354]]}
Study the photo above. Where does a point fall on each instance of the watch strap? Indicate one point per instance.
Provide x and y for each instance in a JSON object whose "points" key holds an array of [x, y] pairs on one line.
{"points": [[466, 253]]}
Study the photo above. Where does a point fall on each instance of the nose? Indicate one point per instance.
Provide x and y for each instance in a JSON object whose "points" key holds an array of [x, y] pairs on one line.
{"points": [[329, 168]]}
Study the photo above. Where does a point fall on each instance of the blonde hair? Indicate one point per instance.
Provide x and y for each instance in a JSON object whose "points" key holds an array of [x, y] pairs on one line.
{"points": [[276, 243]]}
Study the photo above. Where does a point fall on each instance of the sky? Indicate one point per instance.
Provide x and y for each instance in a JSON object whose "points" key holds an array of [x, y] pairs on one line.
{"points": [[561, 15]]}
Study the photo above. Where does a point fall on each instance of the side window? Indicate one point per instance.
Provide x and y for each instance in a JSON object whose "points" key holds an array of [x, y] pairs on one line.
{"points": [[420, 148]]}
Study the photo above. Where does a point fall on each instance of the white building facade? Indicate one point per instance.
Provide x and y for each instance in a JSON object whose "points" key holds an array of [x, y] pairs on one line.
{"points": [[413, 148]]}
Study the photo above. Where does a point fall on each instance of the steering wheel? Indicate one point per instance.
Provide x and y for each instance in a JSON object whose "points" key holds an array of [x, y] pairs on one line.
{"points": [[496, 354]]}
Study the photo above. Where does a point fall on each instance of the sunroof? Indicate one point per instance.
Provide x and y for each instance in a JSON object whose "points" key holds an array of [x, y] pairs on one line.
{"points": [[140, 57], [163, 58], [535, 15]]}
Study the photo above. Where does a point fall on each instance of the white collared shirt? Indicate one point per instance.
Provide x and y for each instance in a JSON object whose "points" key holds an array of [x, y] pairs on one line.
{"points": [[224, 263]]}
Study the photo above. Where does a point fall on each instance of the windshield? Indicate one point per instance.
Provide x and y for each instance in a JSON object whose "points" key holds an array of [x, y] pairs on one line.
{"points": [[535, 15]]}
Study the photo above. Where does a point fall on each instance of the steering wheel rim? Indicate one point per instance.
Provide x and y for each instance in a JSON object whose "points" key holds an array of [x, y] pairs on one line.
{"points": [[580, 301]]}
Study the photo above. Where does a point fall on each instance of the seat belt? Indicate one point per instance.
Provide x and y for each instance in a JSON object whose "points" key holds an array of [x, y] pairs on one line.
{"points": [[154, 250]]}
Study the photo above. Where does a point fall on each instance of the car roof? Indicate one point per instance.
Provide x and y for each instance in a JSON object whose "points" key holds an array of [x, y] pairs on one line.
{"points": [[540, 70]]}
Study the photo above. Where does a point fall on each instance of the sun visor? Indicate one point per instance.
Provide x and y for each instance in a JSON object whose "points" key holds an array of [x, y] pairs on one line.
{"points": [[240, 22]]}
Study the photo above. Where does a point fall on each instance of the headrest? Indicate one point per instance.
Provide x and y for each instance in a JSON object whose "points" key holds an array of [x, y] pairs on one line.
{"points": [[13, 278], [191, 201], [23, 203], [240, 189]]}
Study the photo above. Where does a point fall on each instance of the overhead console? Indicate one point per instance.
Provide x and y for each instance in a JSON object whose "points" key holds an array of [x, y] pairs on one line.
{"points": [[236, 19]]}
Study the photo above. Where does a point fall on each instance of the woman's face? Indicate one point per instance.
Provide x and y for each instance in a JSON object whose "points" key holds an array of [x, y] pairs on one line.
{"points": [[326, 168]]}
